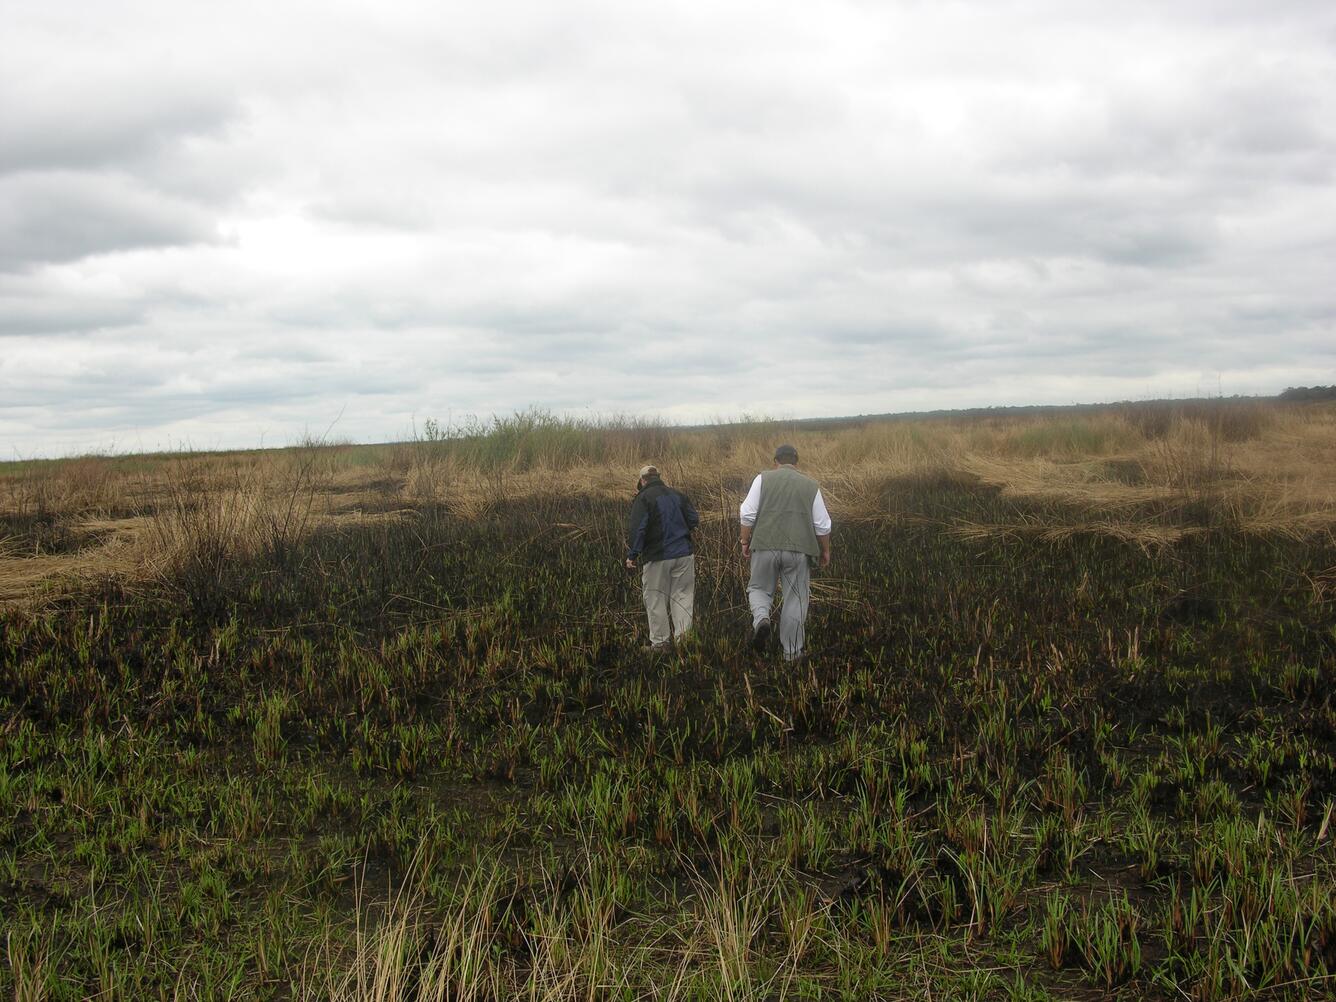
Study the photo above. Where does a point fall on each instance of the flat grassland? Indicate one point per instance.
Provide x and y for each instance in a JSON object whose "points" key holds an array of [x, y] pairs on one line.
{"points": [[376, 722]]}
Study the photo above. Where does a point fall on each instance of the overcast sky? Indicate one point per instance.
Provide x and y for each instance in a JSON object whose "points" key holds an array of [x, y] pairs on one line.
{"points": [[225, 224]]}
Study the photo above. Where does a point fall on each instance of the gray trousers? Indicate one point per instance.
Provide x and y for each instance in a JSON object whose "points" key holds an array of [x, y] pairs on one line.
{"points": [[669, 587], [773, 567]]}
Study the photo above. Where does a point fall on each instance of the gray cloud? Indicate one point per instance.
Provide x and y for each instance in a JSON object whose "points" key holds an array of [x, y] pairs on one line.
{"points": [[36, 309], [70, 125], [57, 216], [226, 224]]}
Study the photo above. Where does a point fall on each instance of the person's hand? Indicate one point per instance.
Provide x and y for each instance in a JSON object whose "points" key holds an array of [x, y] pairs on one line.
{"points": [[825, 558], [630, 564], [746, 551]]}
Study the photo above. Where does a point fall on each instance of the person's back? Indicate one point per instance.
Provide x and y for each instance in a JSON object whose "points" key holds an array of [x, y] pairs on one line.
{"points": [[784, 515], [660, 513], [785, 530], [658, 535]]}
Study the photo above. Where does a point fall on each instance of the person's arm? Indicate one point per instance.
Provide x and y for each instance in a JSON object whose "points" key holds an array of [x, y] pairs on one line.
{"points": [[689, 513], [636, 526], [821, 523], [747, 511]]}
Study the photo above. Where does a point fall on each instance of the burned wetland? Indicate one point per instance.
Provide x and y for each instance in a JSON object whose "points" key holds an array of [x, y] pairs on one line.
{"points": [[426, 756]]}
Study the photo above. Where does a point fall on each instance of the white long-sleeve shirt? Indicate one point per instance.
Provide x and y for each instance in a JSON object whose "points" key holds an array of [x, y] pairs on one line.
{"points": [[751, 504]]}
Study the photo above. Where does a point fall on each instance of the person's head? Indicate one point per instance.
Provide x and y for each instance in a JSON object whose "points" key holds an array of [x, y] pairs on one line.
{"points": [[786, 455], [648, 474]]}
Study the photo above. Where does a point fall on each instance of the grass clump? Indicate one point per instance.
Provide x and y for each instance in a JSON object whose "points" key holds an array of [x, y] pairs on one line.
{"points": [[1069, 439]]}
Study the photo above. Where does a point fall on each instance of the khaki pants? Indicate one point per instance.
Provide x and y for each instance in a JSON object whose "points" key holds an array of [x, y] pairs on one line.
{"points": [[670, 592], [770, 568]]}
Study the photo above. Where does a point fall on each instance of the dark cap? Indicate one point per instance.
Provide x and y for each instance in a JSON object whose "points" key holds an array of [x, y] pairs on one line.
{"points": [[786, 454]]}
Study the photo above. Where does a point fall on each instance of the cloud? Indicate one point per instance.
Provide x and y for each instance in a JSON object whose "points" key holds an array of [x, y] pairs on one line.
{"points": [[57, 216], [67, 124], [235, 222]]}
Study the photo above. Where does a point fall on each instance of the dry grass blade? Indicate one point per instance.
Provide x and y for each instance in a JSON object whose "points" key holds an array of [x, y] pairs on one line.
{"points": [[1148, 537], [27, 962], [404, 951]]}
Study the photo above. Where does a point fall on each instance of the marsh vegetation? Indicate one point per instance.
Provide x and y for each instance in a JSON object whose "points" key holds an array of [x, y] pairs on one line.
{"points": [[374, 722]]}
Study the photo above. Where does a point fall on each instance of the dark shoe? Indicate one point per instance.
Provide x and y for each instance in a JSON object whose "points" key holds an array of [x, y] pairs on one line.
{"points": [[761, 635], [661, 648]]}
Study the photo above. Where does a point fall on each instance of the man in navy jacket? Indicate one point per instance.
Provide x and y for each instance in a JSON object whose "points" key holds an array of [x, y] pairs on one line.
{"points": [[658, 534]]}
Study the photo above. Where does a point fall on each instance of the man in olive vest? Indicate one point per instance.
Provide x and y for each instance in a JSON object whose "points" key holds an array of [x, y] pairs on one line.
{"points": [[785, 530]]}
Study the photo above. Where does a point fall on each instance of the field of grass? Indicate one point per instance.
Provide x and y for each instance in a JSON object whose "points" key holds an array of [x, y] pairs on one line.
{"points": [[375, 722]]}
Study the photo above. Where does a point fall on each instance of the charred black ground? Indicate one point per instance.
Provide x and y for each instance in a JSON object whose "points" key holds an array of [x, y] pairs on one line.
{"points": [[1009, 766]]}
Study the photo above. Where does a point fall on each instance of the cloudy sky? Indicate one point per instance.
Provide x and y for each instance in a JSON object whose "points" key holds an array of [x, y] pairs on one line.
{"points": [[226, 224]]}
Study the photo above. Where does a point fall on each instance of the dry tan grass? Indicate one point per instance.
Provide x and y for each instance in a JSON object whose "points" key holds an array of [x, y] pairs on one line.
{"points": [[1265, 469], [1147, 537]]}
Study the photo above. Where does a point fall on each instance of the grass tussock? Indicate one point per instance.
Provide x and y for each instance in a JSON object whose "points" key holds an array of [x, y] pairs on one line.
{"points": [[566, 937]]}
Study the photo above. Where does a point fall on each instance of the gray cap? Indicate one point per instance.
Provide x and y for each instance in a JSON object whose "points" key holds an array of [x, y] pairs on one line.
{"points": [[648, 471], [786, 454]]}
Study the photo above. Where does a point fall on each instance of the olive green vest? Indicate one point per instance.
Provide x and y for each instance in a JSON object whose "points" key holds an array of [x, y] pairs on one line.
{"points": [[784, 521]]}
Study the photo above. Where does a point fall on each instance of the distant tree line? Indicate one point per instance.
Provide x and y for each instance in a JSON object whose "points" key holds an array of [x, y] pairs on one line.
{"points": [[1309, 393], [1168, 407]]}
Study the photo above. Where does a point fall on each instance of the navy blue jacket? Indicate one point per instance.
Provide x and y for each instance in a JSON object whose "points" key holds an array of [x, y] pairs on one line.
{"points": [[660, 524]]}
